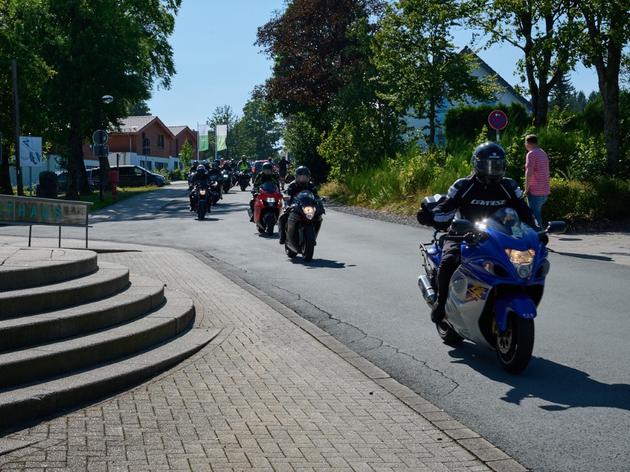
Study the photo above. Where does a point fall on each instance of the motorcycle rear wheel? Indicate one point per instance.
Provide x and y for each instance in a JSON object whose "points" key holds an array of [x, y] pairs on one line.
{"points": [[514, 346], [448, 334]]}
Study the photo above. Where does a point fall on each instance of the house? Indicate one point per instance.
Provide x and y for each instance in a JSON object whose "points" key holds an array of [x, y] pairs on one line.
{"points": [[183, 134], [145, 141], [505, 95]]}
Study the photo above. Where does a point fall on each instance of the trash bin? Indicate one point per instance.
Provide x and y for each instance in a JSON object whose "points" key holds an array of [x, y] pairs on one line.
{"points": [[48, 185]]}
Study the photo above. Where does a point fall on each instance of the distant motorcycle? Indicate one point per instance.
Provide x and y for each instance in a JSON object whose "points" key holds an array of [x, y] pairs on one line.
{"points": [[303, 225], [243, 180], [226, 181], [494, 294], [201, 200], [267, 207]]}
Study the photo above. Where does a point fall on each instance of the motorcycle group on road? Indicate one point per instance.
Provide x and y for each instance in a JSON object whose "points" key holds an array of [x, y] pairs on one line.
{"points": [[483, 272], [298, 214]]}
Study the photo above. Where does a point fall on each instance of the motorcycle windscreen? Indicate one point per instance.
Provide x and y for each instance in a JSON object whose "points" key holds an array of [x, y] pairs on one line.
{"points": [[506, 221], [269, 187], [306, 197]]}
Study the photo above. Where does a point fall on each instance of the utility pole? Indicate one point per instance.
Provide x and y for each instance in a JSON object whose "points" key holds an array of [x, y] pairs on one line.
{"points": [[16, 99]]}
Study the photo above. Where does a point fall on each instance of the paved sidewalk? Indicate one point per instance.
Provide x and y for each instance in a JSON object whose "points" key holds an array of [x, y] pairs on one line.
{"points": [[274, 393]]}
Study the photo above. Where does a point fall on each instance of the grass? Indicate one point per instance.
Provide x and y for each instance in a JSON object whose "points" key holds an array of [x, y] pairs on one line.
{"points": [[123, 194]]}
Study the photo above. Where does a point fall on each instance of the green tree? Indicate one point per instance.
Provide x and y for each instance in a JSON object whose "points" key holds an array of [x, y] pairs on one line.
{"points": [[316, 55], [606, 26], [258, 132], [419, 66], [186, 154], [103, 47], [544, 30], [140, 108], [222, 115], [23, 33]]}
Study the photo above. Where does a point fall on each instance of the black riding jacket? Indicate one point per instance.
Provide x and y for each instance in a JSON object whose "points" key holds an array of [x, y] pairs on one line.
{"points": [[201, 179], [474, 200], [295, 188]]}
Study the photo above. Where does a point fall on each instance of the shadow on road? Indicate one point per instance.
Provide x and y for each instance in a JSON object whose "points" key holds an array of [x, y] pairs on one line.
{"points": [[165, 203], [324, 264], [563, 386], [583, 256]]}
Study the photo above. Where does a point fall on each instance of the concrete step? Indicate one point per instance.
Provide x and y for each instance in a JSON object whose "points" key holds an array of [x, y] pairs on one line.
{"points": [[38, 363], [35, 402], [22, 268], [141, 297], [108, 280]]}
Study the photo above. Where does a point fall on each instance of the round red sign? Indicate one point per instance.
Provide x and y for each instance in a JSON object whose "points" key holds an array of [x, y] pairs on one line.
{"points": [[497, 120]]}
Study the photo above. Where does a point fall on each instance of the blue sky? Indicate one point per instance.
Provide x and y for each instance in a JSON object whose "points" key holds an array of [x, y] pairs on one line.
{"points": [[218, 64]]}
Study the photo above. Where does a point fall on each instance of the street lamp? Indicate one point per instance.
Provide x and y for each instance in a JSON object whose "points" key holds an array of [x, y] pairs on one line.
{"points": [[106, 99]]}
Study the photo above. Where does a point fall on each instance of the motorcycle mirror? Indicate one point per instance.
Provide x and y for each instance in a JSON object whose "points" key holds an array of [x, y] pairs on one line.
{"points": [[323, 199], [556, 227], [461, 226]]}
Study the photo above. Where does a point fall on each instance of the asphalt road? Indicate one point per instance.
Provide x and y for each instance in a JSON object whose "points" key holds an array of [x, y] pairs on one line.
{"points": [[569, 411]]}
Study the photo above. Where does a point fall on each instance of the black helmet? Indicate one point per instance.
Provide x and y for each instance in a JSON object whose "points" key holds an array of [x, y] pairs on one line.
{"points": [[201, 169], [489, 162], [302, 174], [267, 168]]}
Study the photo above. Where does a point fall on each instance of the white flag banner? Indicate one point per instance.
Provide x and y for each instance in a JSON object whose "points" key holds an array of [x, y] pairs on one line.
{"points": [[203, 137], [222, 132]]}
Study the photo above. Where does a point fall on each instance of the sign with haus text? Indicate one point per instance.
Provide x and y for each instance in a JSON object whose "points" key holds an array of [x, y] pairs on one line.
{"points": [[43, 211]]}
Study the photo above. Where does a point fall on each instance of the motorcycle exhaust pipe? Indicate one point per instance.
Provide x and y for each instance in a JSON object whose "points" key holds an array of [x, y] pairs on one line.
{"points": [[427, 290]]}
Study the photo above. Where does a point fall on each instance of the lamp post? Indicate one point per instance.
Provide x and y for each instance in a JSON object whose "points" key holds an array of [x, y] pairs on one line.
{"points": [[106, 99]]}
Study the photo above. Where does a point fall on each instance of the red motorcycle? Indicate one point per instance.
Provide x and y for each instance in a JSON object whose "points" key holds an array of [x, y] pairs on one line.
{"points": [[267, 207]]}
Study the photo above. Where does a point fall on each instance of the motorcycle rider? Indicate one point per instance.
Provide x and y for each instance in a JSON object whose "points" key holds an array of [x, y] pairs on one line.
{"points": [[200, 177], [474, 197], [266, 175], [243, 165], [301, 183], [283, 170]]}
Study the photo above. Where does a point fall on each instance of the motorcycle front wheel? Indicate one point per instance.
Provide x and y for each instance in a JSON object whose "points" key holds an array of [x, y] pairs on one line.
{"points": [[514, 346], [309, 243], [243, 188], [201, 211]]}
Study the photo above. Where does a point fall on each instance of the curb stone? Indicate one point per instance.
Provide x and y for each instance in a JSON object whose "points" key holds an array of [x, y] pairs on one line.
{"points": [[484, 451]]}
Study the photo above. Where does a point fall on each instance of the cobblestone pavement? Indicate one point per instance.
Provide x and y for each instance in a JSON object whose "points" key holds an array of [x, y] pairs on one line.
{"points": [[266, 396]]}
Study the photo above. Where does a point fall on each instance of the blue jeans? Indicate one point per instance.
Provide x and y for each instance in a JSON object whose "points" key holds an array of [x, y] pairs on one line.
{"points": [[536, 203]]}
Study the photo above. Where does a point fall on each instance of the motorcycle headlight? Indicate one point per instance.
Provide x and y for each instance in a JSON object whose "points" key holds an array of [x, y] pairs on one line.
{"points": [[522, 261], [202, 192], [309, 212], [271, 200]]}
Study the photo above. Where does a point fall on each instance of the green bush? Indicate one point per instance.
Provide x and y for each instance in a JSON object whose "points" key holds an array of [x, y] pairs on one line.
{"points": [[573, 200], [466, 122], [177, 174]]}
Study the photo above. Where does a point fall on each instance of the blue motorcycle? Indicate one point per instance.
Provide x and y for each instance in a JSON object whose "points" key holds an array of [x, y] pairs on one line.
{"points": [[494, 294]]}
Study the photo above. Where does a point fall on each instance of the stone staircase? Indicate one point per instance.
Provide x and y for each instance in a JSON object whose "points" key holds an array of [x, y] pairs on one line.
{"points": [[73, 330]]}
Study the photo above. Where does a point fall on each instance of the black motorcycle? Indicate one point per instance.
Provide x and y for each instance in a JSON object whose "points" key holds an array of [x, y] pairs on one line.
{"points": [[226, 181], [201, 200], [303, 225], [243, 180]]}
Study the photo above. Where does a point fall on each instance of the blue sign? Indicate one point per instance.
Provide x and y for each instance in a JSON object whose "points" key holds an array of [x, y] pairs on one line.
{"points": [[497, 120]]}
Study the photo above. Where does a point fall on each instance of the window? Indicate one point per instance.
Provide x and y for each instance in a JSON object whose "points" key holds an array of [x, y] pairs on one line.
{"points": [[146, 145], [161, 141], [159, 165]]}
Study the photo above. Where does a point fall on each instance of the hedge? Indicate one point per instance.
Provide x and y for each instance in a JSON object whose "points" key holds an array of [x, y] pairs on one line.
{"points": [[465, 123]]}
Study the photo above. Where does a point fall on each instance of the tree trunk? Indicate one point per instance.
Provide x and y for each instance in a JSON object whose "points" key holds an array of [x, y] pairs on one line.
{"points": [[611, 125], [541, 109], [5, 176], [77, 176], [432, 125]]}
